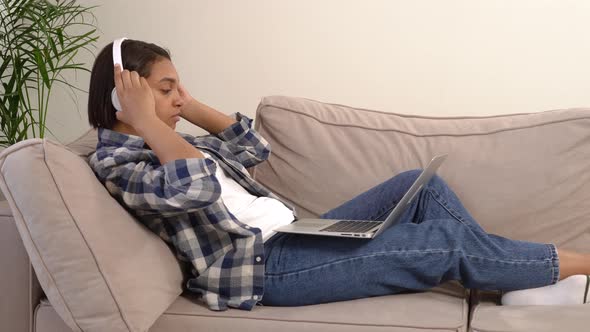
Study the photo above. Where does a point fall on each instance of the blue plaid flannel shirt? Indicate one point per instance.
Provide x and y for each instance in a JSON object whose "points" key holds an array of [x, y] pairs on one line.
{"points": [[180, 201]]}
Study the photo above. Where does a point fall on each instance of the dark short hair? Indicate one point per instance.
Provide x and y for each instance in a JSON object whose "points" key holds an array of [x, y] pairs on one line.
{"points": [[137, 56]]}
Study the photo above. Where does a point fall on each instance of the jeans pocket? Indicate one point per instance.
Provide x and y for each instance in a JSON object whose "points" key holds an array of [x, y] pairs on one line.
{"points": [[273, 248]]}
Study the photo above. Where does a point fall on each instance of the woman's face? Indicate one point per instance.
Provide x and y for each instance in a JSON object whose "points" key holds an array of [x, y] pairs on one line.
{"points": [[164, 82]]}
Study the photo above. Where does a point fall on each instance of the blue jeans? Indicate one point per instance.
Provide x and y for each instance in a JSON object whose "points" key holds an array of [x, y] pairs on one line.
{"points": [[435, 241]]}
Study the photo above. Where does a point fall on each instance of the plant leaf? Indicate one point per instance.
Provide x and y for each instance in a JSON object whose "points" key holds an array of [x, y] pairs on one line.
{"points": [[41, 67]]}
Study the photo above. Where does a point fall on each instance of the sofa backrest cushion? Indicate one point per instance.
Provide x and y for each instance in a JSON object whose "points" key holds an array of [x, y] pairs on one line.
{"points": [[100, 268], [525, 176], [85, 145]]}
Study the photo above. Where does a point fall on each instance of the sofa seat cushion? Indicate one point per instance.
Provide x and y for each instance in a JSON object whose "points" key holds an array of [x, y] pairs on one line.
{"points": [[488, 316], [46, 319], [443, 308]]}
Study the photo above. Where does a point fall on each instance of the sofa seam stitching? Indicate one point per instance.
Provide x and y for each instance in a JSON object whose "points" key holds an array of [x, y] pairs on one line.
{"points": [[414, 116], [307, 321], [432, 135], [411, 116]]}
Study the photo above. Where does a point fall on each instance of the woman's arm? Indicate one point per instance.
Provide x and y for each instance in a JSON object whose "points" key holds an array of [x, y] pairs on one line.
{"points": [[165, 142], [202, 115], [180, 185], [235, 130]]}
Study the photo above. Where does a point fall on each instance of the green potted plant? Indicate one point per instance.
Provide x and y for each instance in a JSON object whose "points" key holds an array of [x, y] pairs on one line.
{"points": [[39, 41]]}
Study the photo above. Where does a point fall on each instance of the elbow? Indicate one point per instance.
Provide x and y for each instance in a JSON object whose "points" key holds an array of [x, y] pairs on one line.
{"points": [[209, 195], [265, 153], [199, 194]]}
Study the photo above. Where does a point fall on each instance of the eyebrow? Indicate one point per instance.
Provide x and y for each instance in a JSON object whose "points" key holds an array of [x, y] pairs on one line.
{"points": [[168, 79]]}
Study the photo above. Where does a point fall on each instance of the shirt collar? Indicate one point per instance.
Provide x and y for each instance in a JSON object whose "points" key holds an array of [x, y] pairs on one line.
{"points": [[108, 137]]}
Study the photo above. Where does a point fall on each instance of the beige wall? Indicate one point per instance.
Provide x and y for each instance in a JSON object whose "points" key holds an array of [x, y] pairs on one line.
{"points": [[453, 57]]}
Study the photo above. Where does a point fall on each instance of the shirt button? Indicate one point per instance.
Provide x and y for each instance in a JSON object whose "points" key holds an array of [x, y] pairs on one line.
{"points": [[258, 259]]}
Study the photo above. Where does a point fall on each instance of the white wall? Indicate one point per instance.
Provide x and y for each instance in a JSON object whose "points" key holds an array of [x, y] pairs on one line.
{"points": [[453, 57]]}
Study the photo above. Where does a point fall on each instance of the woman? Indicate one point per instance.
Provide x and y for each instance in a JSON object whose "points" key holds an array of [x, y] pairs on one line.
{"points": [[196, 194]]}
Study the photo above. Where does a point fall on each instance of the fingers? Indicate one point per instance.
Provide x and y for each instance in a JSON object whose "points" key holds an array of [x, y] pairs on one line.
{"points": [[126, 82], [143, 82], [134, 78], [126, 78], [146, 86], [118, 79]]}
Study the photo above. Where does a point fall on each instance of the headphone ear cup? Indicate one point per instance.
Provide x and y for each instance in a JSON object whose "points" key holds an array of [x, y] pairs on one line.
{"points": [[115, 100]]}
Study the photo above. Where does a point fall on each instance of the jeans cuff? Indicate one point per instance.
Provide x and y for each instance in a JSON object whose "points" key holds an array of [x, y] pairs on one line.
{"points": [[554, 263]]}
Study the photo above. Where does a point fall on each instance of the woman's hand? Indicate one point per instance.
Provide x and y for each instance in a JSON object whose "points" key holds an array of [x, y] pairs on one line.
{"points": [[202, 115], [135, 95], [187, 100]]}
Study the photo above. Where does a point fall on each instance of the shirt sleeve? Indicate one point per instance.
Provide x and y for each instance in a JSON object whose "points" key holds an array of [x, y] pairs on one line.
{"points": [[244, 142], [179, 185]]}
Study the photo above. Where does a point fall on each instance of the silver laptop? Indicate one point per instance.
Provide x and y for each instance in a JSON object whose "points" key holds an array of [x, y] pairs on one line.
{"points": [[364, 228]]}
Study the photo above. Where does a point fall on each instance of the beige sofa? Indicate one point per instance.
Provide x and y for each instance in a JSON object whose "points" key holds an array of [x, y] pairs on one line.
{"points": [[72, 259]]}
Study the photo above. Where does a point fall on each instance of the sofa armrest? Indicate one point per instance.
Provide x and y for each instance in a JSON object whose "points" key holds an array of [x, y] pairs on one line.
{"points": [[21, 292]]}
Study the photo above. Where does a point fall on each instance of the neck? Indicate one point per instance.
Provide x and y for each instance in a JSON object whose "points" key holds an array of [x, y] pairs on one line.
{"points": [[124, 128]]}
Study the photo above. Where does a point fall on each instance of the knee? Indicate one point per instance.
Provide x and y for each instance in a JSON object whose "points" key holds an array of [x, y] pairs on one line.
{"points": [[410, 175], [404, 180], [438, 184]]}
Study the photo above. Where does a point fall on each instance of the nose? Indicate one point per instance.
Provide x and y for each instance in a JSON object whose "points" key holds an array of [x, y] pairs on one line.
{"points": [[178, 101]]}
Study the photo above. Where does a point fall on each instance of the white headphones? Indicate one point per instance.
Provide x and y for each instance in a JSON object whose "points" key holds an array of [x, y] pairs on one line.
{"points": [[117, 59]]}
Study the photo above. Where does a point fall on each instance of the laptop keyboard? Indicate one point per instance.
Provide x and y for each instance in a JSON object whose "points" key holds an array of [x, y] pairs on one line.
{"points": [[351, 226]]}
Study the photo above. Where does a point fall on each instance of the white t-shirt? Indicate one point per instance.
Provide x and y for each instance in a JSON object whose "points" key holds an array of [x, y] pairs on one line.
{"points": [[261, 212]]}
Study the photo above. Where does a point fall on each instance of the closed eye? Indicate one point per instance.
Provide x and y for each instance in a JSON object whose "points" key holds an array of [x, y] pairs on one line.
{"points": [[166, 91]]}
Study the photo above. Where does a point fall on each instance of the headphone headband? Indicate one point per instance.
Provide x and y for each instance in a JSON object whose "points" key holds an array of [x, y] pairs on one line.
{"points": [[117, 58]]}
